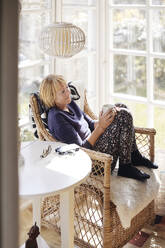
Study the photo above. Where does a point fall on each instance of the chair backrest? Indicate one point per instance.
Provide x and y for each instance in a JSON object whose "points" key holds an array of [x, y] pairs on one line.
{"points": [[38, 112]]}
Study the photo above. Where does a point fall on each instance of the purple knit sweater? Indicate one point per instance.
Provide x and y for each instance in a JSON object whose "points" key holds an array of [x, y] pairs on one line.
{"points": [[70, 127]]}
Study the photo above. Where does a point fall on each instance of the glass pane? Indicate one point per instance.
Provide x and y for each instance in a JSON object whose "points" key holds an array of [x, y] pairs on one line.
{"points": [[159, 79], [29, 81], [159, 118], [138, 111], [80, 69], [75, 69], [91, 87], [30, 28], [37, 4], [27, 134], [80, 2], [130, 75], [158, 30], [158, 2], [129, 29], [86, 20], [128, 2]]}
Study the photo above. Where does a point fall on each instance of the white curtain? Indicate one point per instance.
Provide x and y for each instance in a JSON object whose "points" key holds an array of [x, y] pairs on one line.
{"points": [[8, 124]]}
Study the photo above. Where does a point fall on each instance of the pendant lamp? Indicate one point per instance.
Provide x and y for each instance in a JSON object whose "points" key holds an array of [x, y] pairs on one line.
{"points": [[62, 40]]}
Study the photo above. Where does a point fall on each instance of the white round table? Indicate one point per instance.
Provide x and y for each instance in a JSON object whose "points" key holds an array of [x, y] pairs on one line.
{"points": [[54, 174]]}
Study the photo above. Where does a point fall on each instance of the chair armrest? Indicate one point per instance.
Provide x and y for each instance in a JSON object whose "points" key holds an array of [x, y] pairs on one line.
{"points": [[87, 109], [150, 131], [145, 138]]}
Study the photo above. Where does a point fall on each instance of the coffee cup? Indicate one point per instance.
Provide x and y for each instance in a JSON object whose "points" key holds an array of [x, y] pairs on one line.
{"points": [[107, 107]]}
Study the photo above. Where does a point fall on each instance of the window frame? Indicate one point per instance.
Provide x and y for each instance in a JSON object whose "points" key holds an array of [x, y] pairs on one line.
{"points": [[149, 54]]}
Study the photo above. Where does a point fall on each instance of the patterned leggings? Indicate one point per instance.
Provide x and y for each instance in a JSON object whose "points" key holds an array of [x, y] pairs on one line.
{"points": [[118, 139]]}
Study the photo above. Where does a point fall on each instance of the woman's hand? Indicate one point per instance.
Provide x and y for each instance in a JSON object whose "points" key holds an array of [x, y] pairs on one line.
{"points": [[105, 119]]}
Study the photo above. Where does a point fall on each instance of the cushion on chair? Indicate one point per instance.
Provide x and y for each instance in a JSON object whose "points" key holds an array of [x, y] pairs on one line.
{"points": [[134, 196], [43, 113], [80, 90], [74, 93], [130, 196], [75, 88], [32, 122]]}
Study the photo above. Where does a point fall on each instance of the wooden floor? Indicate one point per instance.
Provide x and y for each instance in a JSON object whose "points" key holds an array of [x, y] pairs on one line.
{"points": [[53, 239], [156, 239]]}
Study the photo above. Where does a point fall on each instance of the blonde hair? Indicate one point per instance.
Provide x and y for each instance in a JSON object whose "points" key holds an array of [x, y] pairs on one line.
{"points": [[48, 88]]}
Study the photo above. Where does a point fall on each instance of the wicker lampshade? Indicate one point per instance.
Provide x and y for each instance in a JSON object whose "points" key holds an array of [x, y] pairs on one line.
{"points": [[62, 40]]}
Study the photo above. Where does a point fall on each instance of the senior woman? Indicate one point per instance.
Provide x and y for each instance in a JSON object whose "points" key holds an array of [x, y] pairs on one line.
{"points": [[113, 133]]}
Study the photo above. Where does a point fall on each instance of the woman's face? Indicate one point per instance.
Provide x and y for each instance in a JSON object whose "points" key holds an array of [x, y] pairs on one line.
{"points": [[63, 96]]}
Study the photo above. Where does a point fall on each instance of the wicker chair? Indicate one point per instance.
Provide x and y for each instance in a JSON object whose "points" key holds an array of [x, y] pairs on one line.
{"points": [[97, 223]]}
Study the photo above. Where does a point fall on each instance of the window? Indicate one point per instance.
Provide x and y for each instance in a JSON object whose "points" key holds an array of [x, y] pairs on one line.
{"points": [[81, 67], [137, 60], [33, 64], [124, 57]]}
